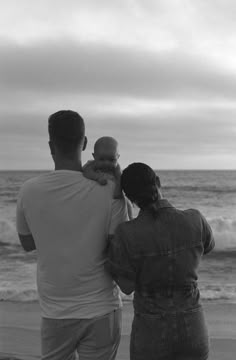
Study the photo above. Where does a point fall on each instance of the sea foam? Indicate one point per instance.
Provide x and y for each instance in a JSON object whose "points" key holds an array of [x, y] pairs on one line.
{"points": [[8, 234], [224, 231]]}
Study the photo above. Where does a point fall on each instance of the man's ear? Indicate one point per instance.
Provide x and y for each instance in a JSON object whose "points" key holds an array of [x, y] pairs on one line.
{"points": [[52, 147], [85, 143]]}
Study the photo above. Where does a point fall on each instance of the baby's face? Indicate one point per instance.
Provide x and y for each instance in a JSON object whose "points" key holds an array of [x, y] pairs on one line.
{"points": [[107, 154]]}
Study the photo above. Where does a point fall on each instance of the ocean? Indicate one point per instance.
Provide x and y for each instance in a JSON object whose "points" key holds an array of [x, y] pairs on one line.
{"points": [[212, 192]]}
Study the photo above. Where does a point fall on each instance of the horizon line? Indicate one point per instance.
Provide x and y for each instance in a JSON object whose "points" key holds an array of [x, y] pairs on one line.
{"points": [[160, 169]]}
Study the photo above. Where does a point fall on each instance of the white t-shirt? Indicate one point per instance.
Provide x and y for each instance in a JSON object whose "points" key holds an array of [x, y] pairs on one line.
{"points": [[70, 218]]}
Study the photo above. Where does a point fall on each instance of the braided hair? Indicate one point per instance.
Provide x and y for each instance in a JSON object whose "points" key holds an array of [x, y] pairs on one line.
{"points": [[139, 183]]}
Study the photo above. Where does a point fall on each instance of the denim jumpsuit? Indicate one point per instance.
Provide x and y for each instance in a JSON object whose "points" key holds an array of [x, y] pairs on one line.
{"points": [[161, 256]]}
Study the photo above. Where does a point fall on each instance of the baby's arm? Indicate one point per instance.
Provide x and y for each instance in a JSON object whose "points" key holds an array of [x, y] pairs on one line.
{"points": [[90, 171], [102, 171]]}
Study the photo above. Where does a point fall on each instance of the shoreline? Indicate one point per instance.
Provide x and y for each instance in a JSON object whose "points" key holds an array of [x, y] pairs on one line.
{"points": [[126, 302], [20, 330]]}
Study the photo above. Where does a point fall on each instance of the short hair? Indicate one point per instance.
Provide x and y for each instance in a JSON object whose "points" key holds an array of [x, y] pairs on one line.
{"points": [[139, 183], [66, 129]]}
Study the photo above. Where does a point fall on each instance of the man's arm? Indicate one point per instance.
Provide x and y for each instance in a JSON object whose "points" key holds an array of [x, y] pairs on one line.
{"points": [[24, 233]]}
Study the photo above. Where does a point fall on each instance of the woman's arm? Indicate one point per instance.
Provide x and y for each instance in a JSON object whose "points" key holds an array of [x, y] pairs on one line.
{"points": [[207, 236], [119, 263]]}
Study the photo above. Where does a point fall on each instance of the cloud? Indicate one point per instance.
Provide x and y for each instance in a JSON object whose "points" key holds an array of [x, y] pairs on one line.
{"points": [[183, 140], [158, 75], [69, 67], [181, 132]]}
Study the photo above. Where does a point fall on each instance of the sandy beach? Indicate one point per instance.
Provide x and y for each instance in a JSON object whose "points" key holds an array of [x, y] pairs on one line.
{"points": [[20, 335]]}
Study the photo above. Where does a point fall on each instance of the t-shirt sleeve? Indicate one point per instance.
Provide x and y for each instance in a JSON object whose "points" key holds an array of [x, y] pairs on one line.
{"points": [[207, 236], [119, 263], [119, 214], [21, 222]]}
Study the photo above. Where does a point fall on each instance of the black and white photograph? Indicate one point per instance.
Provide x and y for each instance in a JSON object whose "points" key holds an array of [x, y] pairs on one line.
{"points": [[117, 179]]}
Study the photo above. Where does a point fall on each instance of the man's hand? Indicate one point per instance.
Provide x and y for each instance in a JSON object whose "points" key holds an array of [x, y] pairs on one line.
{"points": [[27, 242]]}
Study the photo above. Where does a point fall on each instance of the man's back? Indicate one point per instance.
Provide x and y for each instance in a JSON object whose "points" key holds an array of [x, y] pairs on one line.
{"points": [[70, 218]]}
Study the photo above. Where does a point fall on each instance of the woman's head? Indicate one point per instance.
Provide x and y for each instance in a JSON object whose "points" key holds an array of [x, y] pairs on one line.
{"points": [[141, 185]]}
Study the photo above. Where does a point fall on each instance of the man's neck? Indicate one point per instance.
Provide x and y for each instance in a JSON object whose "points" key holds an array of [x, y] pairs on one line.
{"points": [[65, 164]]}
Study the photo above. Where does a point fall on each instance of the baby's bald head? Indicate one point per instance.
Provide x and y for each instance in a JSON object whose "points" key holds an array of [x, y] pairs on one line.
{"points": [[106, 149]]}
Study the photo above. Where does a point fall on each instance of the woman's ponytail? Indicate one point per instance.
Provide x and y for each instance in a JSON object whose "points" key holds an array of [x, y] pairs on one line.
{"points": [[140, 184], [148, 200]]}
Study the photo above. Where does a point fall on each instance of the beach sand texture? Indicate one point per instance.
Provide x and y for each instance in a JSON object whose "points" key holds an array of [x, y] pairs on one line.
{"points": [[20, 334]]}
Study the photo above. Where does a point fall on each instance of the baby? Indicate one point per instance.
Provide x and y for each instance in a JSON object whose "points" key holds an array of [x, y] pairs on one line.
{"points": [[105, 166]]}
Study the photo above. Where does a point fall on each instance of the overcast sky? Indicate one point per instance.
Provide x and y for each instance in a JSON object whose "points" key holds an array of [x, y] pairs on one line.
{"points": [[159, 75]]}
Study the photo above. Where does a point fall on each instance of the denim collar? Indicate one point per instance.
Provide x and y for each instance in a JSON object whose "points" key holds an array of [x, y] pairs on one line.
{"points": [[161, 204]]}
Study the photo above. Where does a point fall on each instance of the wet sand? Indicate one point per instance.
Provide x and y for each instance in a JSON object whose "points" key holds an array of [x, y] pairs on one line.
{"points": [[20, 331]]}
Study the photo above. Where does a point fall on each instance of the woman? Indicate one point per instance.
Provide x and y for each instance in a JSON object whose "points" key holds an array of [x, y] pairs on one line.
{"points": [[157, 256]]}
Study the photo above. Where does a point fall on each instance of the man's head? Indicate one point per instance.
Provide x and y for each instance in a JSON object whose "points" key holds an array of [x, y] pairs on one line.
{"points": [[106, 149], [66, 134]]}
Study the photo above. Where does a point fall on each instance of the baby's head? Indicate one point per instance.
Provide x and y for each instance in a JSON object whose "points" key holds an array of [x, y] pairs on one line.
{"points": [[106, 149]]}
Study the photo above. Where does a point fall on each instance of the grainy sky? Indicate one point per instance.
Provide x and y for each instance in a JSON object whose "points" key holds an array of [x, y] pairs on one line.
{"points": [[159, 75]]}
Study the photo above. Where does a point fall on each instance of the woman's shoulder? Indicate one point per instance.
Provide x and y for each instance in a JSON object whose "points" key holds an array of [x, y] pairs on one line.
{"points": [[128, 227]]}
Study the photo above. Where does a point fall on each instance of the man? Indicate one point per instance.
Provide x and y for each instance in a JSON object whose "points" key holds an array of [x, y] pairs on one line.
{"points": [[68, 220]]}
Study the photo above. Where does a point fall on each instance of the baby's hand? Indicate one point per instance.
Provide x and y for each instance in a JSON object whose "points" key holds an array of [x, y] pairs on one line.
{"points": [[104, 165], [90, 172], [93, 170]]}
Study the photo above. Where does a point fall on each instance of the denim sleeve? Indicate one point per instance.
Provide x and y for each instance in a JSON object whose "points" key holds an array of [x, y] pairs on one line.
{"points": [[119, 262], [208, 238]]}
